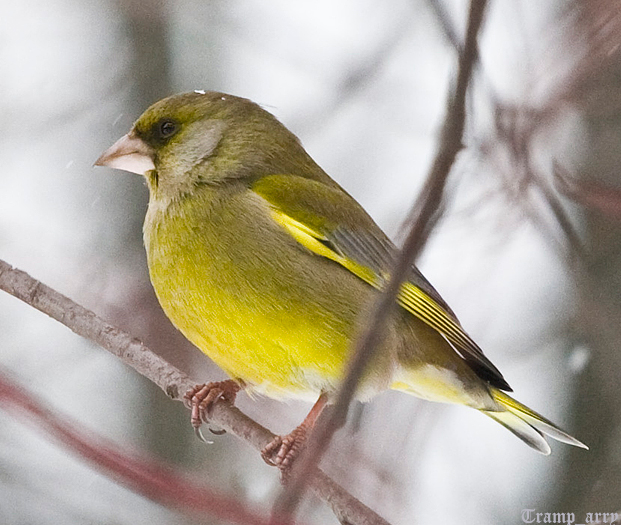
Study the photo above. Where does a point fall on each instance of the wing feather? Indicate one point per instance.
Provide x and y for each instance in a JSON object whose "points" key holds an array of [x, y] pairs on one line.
{"points": [[357, 244]]}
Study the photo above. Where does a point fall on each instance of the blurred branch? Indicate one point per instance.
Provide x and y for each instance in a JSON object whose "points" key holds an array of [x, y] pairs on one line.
{"points": [[601, 197], [516, 126], [562, 219], [516, 129], [158, 483], [439, 10], [171, 380], [424, 216], [571, 80]]}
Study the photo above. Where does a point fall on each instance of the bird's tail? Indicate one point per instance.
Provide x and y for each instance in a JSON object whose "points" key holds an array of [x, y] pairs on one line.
{"points": [[526, 424]]}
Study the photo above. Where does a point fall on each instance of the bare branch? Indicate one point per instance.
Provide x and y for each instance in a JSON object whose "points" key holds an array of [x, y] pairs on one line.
{"points": [[171, 380], [424, 216]]}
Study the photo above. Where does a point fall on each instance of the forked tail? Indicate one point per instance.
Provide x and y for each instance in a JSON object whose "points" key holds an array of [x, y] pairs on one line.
{"points": [[526, 424]]}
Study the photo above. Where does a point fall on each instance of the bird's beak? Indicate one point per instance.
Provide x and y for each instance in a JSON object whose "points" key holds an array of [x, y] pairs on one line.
{"points": [[129, 153]]}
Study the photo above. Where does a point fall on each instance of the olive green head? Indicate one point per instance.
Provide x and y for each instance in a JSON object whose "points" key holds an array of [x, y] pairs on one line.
{"points": [[207, 138]]}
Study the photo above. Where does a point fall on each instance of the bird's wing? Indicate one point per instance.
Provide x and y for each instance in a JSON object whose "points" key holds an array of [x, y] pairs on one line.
{"points": [[331, 224]]}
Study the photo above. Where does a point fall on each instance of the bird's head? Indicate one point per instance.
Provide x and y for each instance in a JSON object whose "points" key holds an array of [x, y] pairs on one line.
{"points": [[206, 137]]}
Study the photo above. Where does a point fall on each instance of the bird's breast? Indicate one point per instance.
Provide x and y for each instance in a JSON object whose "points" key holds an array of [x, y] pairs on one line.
{"points": [[252, 299]]}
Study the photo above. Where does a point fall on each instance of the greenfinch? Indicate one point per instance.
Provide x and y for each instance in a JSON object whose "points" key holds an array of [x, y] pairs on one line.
{"points": [[268, 266]]}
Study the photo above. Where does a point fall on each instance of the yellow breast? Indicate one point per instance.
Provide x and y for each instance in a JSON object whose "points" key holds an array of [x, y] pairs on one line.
{"points": [[241, 292]]}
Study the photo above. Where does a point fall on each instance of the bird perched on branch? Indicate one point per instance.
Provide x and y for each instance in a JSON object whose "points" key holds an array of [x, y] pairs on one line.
{"points": [[268, 266]]}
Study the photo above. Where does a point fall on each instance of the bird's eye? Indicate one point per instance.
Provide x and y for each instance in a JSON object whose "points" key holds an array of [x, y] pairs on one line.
{"points": [[167, 128]]}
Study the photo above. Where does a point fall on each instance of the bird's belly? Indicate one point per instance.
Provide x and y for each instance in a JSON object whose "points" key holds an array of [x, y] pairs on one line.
{"points": [[263, 330], [273, 350]]}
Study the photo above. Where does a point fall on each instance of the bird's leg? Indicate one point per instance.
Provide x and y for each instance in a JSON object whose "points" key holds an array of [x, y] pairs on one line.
{"points": [[201, 399], [282, 450]]}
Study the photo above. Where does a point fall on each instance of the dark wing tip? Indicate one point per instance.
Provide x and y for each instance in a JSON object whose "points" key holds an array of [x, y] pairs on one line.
{"points": [[489, 373]]}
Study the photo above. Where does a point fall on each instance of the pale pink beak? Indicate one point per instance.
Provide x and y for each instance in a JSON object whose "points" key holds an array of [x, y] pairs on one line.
{"points": [[129, 153]]}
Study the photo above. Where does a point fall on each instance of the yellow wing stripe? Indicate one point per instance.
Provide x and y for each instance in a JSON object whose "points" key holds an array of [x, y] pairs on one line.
{"points": [[310, 239], [413, 299], [306, 236], [417, 302]]}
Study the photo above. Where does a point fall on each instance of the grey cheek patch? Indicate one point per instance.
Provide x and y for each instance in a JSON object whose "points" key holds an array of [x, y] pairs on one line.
{"points": [[199, 144]]}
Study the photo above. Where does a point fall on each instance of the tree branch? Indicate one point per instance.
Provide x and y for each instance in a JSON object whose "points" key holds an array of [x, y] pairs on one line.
{"points": [[424, 216], [170, 379]]}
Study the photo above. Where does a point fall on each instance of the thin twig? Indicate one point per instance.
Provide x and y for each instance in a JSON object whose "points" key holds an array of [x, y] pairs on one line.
{"points": [[424, 217], [576, 247], [171, 380], [444, 20]]}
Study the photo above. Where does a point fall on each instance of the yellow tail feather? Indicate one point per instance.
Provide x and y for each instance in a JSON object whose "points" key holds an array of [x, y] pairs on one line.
{"points": [[526, 424]]}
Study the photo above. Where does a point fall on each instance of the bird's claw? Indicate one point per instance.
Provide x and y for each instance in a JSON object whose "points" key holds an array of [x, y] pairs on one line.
{"points": [[282, 451], [202, 398]]}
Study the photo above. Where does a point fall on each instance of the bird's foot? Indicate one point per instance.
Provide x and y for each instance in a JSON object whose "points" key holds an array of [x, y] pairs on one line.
{"points": [[202, 398], [282, 451]]}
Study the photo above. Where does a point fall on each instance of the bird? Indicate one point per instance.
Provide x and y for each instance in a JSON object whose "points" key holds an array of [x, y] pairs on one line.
{"points": [[268, 266]]}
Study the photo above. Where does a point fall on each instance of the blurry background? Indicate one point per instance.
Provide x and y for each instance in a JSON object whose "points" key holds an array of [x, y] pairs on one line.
{"points": [[363, 84]]}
